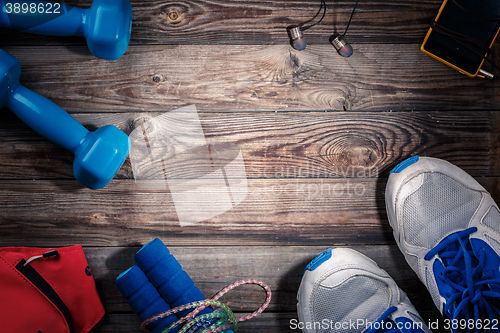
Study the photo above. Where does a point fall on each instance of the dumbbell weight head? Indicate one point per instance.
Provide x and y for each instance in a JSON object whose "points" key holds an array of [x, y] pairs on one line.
{"points": [[100, 156], [108, 28]]}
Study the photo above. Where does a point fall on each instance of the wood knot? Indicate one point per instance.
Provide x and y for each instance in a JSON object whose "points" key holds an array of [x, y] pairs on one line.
{"points": [[302, 67], [294, 62], [144, 122], [173, 16], [158, 78], [355, 152]]}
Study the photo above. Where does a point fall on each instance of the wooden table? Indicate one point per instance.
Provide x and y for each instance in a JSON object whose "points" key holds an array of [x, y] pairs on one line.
{"points": [[318, 135]]}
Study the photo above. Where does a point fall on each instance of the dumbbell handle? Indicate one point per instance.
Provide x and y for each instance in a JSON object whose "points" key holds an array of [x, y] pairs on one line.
{"points": [[69, 22], [167, 275], [46, 118]]}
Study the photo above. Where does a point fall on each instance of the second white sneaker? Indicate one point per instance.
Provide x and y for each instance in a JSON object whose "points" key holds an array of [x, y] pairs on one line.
{"points": [[346, 292]]}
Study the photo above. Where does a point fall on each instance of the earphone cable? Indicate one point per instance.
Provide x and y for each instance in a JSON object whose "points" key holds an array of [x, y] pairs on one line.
{"points": [[323, 6], [350, 18]]}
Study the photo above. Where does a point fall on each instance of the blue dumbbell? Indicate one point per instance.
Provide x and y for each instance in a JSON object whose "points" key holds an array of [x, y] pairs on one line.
{"points": [[106, 25], [98, 155], [167, 275], [143, 298]]}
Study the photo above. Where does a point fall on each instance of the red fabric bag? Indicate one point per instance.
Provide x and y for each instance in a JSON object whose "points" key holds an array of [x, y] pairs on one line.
{"points": [[53, 293]]}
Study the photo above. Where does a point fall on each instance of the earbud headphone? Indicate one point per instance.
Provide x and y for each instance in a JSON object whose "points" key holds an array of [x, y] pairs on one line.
{"points": [[299, 43], [297, 38], [342, 46]]}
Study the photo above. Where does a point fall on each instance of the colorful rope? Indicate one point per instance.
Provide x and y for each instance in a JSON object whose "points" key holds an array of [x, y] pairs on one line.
{"points": [[249, 281], [220, 320]]}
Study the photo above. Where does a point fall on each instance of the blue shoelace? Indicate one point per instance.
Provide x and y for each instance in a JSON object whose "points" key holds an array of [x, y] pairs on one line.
{"points": [[472, 296]]}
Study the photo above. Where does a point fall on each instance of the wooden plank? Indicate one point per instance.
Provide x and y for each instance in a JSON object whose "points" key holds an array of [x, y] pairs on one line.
{"points": [[273, 212], [287, 145], [221, 78], [259, 22]]}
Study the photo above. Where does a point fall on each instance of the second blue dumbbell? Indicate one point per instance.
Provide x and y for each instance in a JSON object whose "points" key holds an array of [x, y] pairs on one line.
{"points": [[106, 25]]}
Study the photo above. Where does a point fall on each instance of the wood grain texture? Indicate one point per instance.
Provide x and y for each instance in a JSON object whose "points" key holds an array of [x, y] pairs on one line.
{"points": [[251, 78], [285, 145], [318, 134], [274, 212], [259, 22]]}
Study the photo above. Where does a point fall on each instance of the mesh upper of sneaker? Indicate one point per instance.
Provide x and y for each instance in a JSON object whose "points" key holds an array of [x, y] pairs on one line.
{"points": [[347, 291], [357, 298], [439, 207]]}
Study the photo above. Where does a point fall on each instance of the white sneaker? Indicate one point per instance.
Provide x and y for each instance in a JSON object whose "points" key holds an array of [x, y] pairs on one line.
{"points": [[448, 228], [344, 291]]}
